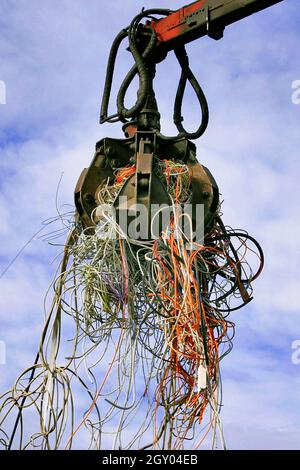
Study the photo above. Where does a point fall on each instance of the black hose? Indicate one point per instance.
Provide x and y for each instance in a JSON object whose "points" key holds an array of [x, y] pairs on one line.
{"points": [[109, 75], [140, 67], [187, 75]]}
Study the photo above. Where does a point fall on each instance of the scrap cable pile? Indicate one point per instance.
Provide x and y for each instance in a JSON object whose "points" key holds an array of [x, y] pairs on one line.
{"points": [[149, 324]]}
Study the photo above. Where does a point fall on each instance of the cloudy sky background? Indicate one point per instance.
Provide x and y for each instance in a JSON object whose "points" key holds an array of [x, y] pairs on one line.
{"points": [[52, 59]]}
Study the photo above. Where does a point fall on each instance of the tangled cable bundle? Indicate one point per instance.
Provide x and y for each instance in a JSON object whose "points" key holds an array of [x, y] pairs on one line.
{"points": [[148, 323]]}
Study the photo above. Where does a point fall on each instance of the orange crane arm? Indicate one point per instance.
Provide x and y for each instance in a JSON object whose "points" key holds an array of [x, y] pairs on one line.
{"points": [[204, 17]]}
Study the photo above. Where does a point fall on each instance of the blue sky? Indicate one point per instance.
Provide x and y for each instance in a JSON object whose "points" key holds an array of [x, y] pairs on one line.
{"points": [[52, 59]]}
